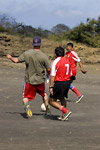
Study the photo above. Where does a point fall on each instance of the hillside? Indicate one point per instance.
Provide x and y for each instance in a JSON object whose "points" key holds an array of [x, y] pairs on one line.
{"points": [[15, 45]]}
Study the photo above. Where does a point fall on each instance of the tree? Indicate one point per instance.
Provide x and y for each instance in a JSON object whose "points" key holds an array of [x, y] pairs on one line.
{"points": [[60, 28], [9, 24]]}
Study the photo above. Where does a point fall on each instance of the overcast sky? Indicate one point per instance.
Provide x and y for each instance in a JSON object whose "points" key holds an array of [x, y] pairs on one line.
{"points": [[48, 13]]}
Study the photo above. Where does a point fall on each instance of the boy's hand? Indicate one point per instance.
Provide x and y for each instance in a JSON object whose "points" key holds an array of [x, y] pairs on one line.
{"points": [[13, 59], [51, 91], [8, 56], [84, 71]]}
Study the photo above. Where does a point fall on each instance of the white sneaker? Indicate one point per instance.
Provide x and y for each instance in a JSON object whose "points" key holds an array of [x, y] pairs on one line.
{"points": [[79, 98], [61, 117], [66, 115]]}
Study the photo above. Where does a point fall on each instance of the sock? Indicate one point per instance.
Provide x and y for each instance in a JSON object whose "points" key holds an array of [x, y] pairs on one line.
{"points": [[62, 114], [63, 109], [76, 91]]}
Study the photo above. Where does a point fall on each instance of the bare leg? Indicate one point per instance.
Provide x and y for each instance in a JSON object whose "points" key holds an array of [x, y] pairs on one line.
{"points": [[45, 100], [63, 102], [25, 100], [53, 103]]}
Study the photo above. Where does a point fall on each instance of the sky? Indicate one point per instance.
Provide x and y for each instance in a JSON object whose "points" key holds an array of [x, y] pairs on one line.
{"points": [[49, 13]]}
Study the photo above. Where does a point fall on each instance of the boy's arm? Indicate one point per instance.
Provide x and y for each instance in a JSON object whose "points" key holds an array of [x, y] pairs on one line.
{"points": [[47, 75], [13, 59], [81, 67], [51, 84], [77, 59]]}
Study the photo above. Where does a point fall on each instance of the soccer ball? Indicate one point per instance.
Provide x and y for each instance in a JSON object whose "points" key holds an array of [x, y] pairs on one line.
{"points": [[43, 108]]}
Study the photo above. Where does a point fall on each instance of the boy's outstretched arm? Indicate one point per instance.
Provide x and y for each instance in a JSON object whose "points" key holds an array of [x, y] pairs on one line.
{"points": [[13, 59], [81, 67]]}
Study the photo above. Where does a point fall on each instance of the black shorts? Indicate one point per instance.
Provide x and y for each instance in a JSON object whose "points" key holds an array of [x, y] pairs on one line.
{"points": [[60, 89], [73, 78]]}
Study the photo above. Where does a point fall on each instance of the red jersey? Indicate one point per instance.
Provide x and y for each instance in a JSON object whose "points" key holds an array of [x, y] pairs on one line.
{"points": [[73, 59], [60, 68]]}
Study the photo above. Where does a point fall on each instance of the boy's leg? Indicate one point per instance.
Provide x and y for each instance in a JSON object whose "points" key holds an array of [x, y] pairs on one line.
{"points": [[56, 105], [27, 108], [25, 100], [53, 103], [45, 100], [29, 93], [79, 95], [63, 102], [73, 88], [40, 89]]}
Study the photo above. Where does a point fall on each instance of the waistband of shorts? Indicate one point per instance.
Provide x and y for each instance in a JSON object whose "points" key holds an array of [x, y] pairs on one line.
{"points": [[68, 81]]}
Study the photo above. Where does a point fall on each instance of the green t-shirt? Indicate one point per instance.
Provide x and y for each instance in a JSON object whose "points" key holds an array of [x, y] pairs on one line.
{"points": [[36, 64]]}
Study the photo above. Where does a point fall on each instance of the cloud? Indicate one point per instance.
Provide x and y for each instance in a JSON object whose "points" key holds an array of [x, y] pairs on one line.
{"points": [[75, 12], [61, 13], [14, 6], [51, 12], [64, 13]]}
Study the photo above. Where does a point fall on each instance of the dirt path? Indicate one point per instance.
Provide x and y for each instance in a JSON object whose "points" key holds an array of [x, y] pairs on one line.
{"points": [[81, 132]]}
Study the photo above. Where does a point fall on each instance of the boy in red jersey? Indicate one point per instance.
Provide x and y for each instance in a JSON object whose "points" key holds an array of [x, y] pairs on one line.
{"points": [[74, 59], [59, 82]]}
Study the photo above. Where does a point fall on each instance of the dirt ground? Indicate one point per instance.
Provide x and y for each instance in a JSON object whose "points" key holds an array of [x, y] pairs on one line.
{"points": [[80, 132]]}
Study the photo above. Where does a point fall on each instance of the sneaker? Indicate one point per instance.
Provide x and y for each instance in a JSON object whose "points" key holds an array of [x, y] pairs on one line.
{"points": [[48, 113], [66, 115], [58, 100], [79, 99], [61, 117], [28, 111]]}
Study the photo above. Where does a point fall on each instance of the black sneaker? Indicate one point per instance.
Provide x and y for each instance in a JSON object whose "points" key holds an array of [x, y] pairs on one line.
{"points": [[66, 115], [79, 98]]}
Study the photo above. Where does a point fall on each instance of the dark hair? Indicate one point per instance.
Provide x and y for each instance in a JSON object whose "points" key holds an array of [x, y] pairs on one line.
{"points": [[70, 44], [59, 51]]}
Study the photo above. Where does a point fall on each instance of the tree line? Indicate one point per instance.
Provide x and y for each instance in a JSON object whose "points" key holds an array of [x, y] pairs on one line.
{"points": [[88, 33], [9, 25]]}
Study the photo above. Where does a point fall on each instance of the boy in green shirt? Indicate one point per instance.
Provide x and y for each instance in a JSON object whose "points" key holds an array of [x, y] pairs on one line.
{"points": [[36, 64]]}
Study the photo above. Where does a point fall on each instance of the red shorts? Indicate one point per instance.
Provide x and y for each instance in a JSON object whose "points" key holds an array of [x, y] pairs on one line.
{"points": [[29, 91]]}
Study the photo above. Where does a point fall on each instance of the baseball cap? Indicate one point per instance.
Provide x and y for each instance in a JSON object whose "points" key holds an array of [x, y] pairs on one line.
{"points": [[36, 41]]}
